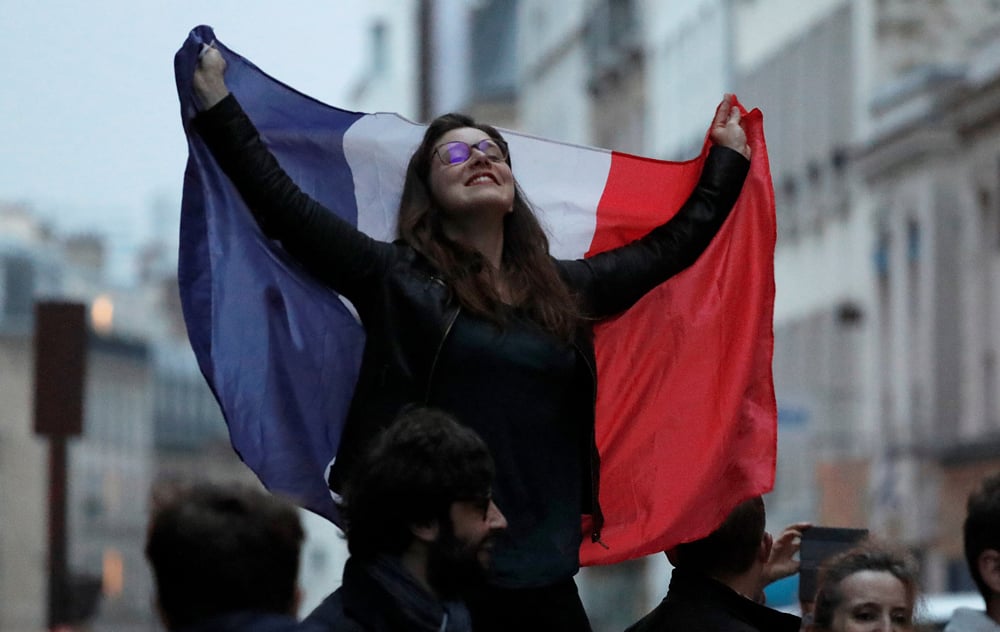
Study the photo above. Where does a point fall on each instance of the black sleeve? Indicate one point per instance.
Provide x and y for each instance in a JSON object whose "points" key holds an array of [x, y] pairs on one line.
{"points": [[612, 281], [331, 249]]}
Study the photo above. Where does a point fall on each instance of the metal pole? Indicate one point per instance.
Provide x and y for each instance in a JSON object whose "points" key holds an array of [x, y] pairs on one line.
{"points": [[60, 344]]}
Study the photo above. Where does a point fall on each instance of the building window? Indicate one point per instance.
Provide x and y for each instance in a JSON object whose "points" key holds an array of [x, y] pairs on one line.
{"points": [[493, 59], [788, 204], [881, 255], [989, 386], [838, 159], [913, 265], [612, 30], [380, 48], [990, 204], [987, 220], [912, 241], [19, 285], [623, 21]]}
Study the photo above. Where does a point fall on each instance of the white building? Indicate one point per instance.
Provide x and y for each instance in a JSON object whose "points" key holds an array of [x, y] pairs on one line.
{"points": [[553, 99], [931, 163], [390, 80], [805, 79], [689, 61]]}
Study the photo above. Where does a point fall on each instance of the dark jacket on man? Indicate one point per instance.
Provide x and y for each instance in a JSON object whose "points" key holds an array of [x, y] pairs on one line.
{"points": [[696, 602], [382, 596], [250, 622]]}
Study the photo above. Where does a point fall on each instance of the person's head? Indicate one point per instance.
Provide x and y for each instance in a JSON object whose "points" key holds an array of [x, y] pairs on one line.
{"points": [[870, 588], [426, 481], [460, 169], [738, 546], [218, 549], [458, 180], [982, 537]]}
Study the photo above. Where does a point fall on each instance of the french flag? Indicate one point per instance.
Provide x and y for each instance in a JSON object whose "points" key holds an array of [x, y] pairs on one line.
{"points": [[686, 415]]}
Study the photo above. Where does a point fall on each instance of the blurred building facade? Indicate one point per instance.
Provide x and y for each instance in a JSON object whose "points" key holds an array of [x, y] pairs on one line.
{"points": [[808, 84], [931, 163], [26, 261], [109, 466], [882, 132], [149, 418]]}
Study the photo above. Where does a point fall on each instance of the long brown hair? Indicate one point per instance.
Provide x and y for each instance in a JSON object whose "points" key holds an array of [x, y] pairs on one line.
{"points": [[526, 268]]}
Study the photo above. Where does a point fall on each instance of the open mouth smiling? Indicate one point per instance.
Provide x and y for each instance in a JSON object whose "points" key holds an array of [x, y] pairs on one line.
{"points": [[482, 178]]}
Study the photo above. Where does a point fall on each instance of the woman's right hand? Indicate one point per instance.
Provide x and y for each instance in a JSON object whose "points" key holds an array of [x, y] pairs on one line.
{"points": [[209, 81]]}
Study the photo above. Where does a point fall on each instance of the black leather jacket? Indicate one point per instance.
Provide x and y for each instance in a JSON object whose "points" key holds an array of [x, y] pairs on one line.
{"points": [[407, 310]]}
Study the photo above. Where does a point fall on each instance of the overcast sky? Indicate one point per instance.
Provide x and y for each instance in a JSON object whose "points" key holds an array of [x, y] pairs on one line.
{"points": [[90, 132]]}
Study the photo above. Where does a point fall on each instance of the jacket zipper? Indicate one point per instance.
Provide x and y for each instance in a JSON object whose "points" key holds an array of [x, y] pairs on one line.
{"points": [[437, 353]]}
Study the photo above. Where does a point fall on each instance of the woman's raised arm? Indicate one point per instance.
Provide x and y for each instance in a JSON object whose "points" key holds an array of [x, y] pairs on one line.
{"points": [[612, 281], [331, 249]]}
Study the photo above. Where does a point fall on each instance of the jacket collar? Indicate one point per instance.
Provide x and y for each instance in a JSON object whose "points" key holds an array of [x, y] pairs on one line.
{"points": [[246, 622], [686, 586], [382, 591]]}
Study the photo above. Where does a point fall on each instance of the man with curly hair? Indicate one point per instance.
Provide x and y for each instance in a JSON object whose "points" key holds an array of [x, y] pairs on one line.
{"points": [[420, 523]]}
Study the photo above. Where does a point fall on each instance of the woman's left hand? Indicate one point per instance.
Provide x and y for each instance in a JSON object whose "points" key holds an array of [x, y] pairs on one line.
{"points": [[726, 128]]}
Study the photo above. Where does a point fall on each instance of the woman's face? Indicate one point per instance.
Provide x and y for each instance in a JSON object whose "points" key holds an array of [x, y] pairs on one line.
{"points": [[482, 184], [874, 601]]}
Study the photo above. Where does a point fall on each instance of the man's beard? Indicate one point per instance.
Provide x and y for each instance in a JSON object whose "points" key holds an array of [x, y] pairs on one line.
{"points": [[455, 566]]}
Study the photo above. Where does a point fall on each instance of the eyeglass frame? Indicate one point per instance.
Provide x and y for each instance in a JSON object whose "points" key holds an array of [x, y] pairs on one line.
{"points": [[479, 501], [500, 144]]}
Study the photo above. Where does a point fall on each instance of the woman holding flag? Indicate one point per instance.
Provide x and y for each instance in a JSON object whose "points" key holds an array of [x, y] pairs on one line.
{"points": [[468, 312]]}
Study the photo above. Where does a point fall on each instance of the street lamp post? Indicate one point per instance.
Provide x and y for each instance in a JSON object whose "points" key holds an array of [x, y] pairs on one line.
{"points": [[60, 363]]}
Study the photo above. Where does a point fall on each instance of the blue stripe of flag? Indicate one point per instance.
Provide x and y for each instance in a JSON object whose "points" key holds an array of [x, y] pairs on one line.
{"points": [[279, 351]]}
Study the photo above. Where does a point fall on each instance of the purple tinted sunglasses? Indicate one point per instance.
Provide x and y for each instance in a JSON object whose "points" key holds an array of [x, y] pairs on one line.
{"points": [[456, 152]]}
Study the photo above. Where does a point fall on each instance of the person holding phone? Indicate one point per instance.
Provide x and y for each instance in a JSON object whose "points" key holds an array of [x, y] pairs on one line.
{"points": [[717, 581]]}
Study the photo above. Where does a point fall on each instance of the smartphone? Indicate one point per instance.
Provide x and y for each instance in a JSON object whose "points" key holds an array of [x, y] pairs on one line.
{"points": [[820, 544]]}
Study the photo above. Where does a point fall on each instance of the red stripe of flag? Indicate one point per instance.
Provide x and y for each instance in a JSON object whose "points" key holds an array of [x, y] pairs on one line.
{"points": [[686, 414]]}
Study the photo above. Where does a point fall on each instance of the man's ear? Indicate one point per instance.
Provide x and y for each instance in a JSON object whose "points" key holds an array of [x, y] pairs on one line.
{"points": [[426, 532], [988, 564], [766, 544]]}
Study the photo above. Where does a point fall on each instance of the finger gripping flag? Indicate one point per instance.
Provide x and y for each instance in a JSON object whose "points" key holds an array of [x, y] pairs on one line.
{"points": [[685, 411]]}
